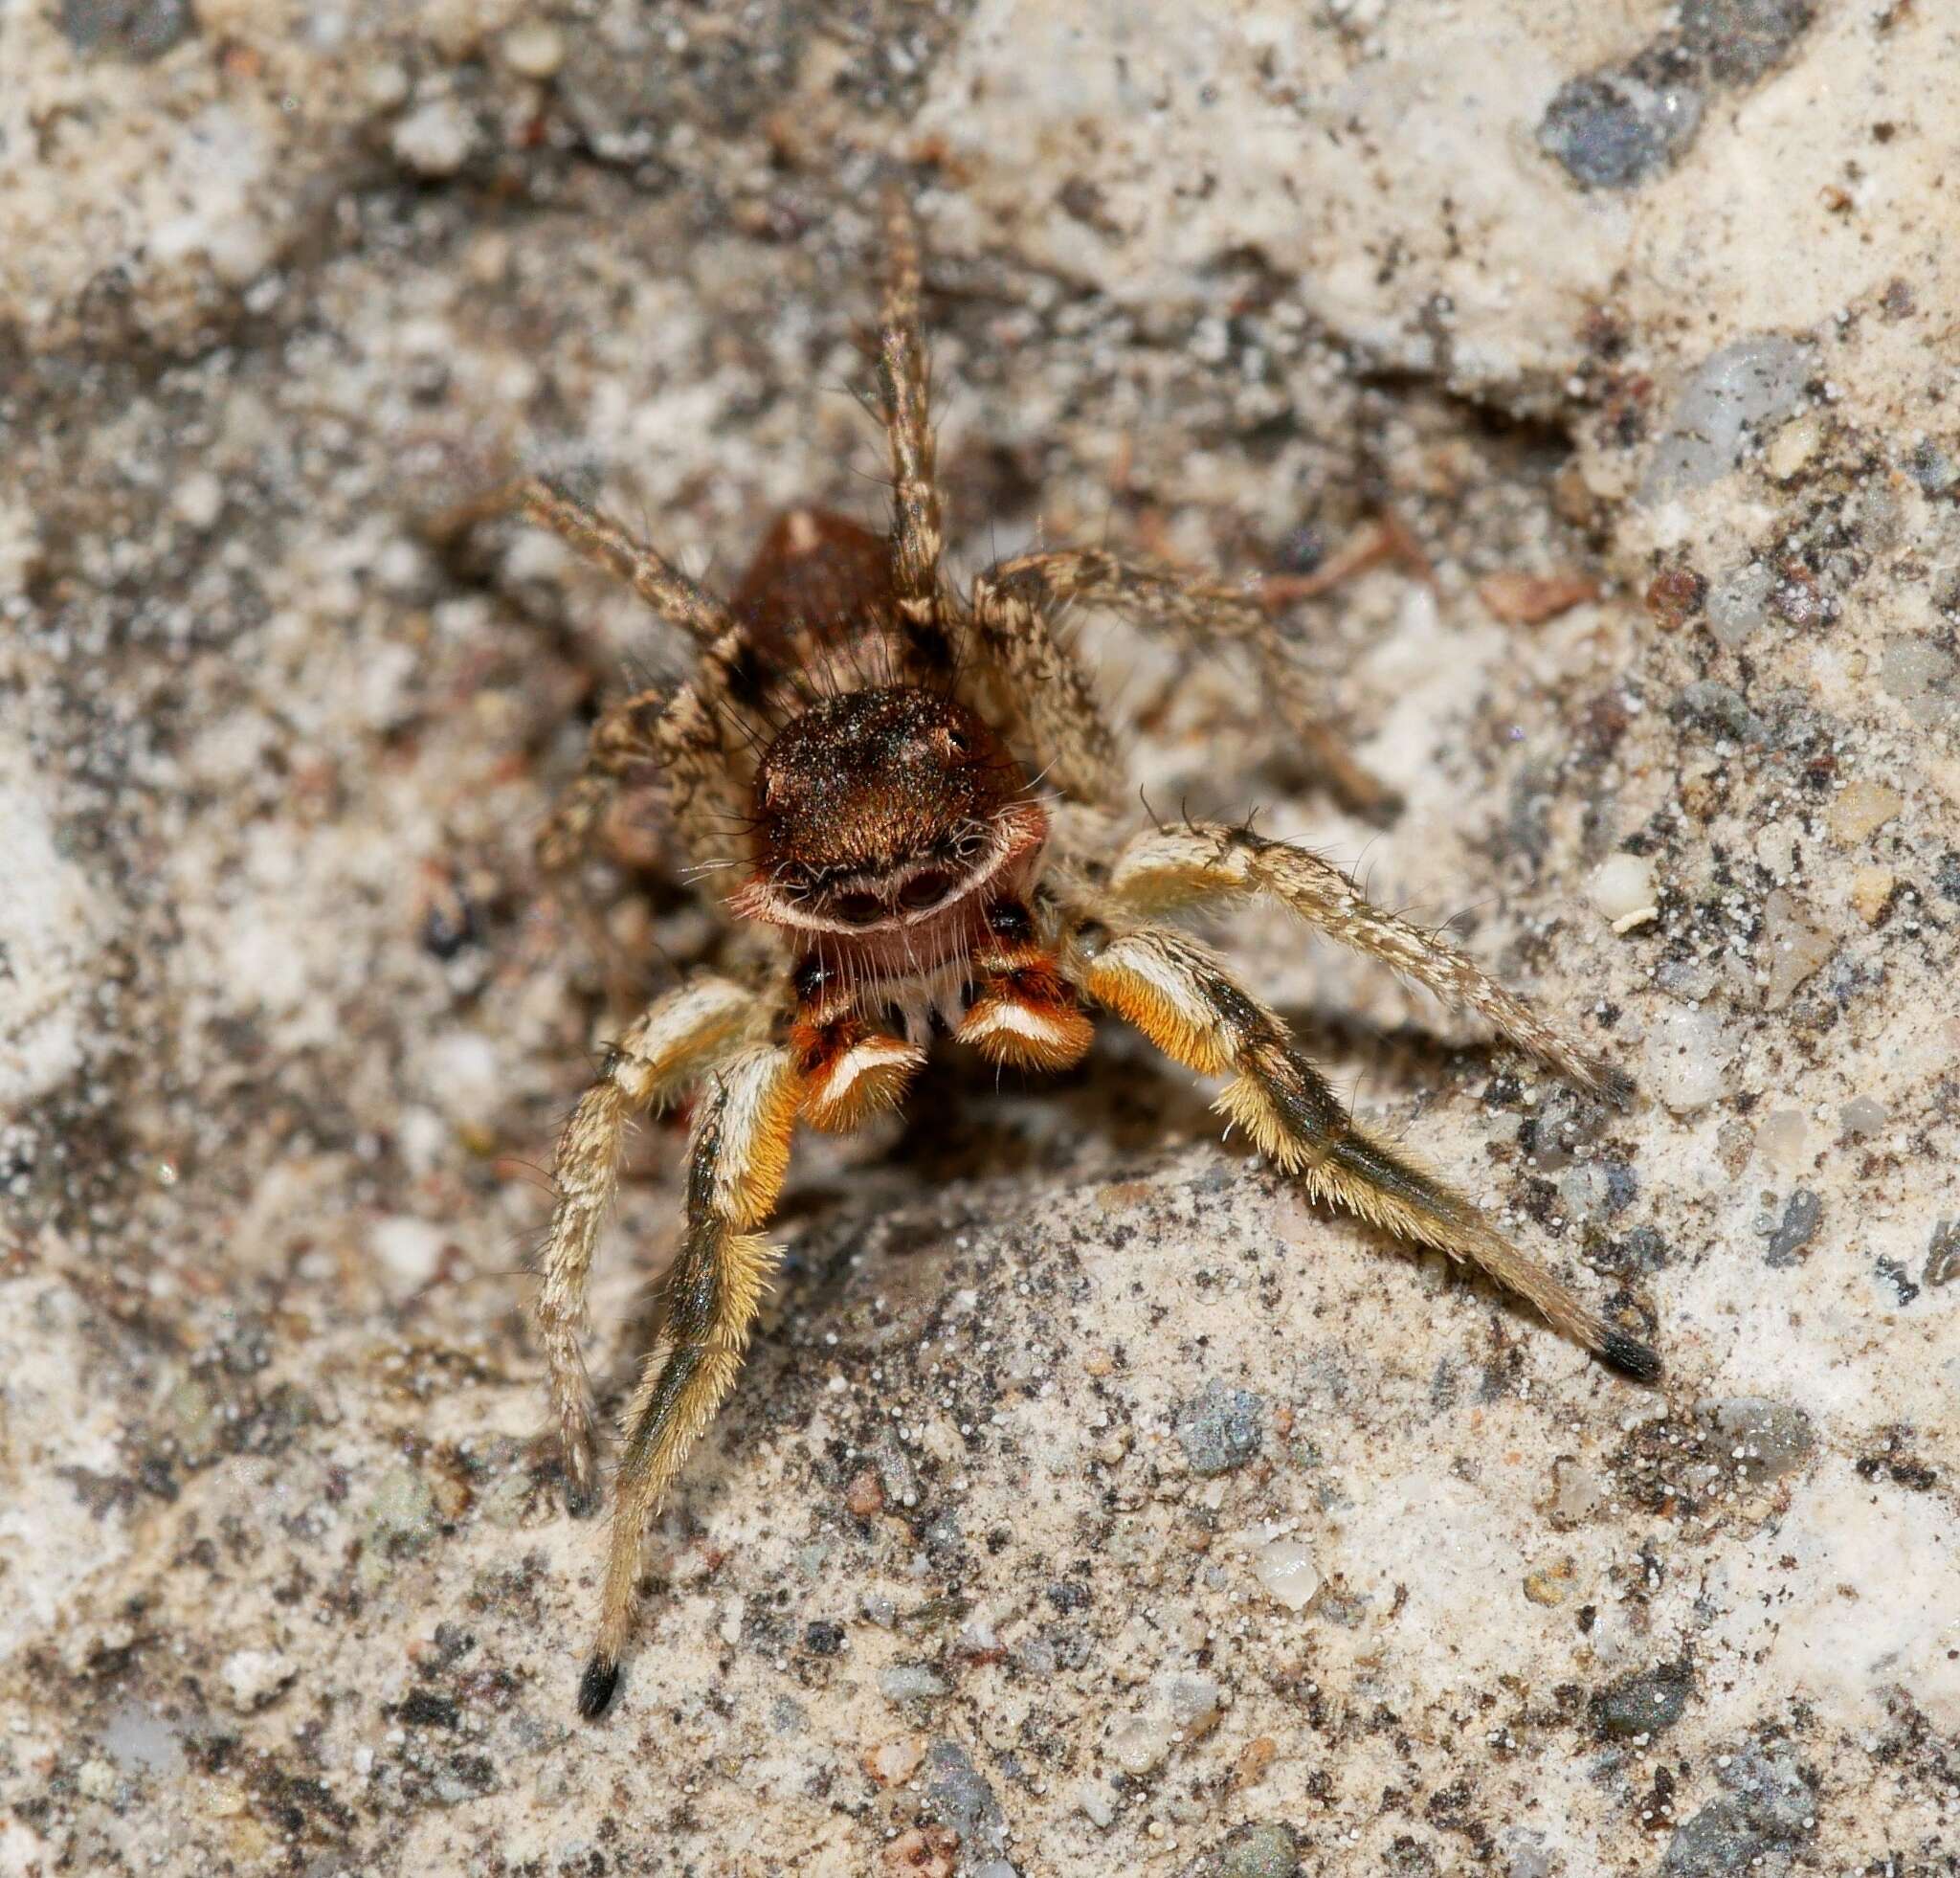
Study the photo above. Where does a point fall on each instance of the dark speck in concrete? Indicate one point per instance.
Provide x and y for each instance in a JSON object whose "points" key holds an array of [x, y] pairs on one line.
{"points": [[1648, 1704], [1260, 1851], [1942, 1255], [139, 30], [1740, 40], [1220, 1429], [1613, 129], [1891, 1272], [822, 1639], [963, 1800]]}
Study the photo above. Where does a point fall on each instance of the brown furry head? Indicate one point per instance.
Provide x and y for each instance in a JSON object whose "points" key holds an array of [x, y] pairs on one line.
{"points": [[886, 810]]}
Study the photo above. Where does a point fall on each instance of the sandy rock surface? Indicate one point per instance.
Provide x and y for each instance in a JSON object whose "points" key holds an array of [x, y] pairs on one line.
{"points": [[1091, 1505]]}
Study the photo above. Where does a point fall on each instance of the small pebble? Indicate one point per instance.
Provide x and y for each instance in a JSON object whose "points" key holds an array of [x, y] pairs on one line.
{"points": [[199, 500], [1780, 1138], [533, 50], [1098, 1802], [865, 1496], [1550, 1585], [435, 140], [910, 1681], [1871, 892], [1792, 446], [1862, 808], [1794, 945], [1687, 1058], [1623, 889], [1862, 1117], [895, 1763], [1286, 1571], [1254, 1759], [254, 1676]]}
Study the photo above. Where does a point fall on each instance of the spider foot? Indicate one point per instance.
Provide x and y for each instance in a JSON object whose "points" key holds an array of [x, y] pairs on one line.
{"points": [[596, 1686]]}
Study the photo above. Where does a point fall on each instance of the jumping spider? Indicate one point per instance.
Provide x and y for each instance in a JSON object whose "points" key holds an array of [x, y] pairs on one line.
{"points": [[879, 738]]}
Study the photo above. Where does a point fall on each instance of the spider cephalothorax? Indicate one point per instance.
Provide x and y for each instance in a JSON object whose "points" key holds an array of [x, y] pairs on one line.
{"points": [[878, 734], [885, 818]]}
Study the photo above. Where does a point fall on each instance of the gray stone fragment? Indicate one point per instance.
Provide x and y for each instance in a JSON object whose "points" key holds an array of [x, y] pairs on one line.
{"points": [[910, 1681], [1775, 1437], [1741, 39], [1647, 1704], [1738, 603], [1772, 1789], [1943, 1254], [136, 29], [1260, 1851], [1932, 468], [1920, 675], [1799, 1224], [1611, 129], [1220, 1429], [1743, 390], [962, 1800], [1720, 1840], [1718, 710], [1529, 1857]]}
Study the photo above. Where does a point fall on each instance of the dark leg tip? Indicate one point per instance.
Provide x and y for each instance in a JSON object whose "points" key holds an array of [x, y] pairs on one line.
{"points": [[596, 1686], [580, 1502], [1630, 1356]]}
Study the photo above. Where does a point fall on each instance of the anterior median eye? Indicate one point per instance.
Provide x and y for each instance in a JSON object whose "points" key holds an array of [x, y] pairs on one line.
{"points": [[927, 889], [860, 908]]}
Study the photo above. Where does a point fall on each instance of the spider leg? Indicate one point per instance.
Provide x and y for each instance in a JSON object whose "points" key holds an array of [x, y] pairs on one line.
{"points": [[1039, 585], [622, 740], [918, 531], [1179, 994], [677, 1040], [687, 736], [710, 1293], [1165, 869], [605, 544], [1013, 608]]}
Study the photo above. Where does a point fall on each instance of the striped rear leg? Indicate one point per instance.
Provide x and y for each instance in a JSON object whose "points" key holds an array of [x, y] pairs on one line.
{"points": [[1023, 595], [709, 1299], [677, 1040], [1177, 993], [1205, 864]]}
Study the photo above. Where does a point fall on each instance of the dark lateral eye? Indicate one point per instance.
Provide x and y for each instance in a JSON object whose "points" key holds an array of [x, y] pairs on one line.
{"points": [[860, 908], [927, 889]]}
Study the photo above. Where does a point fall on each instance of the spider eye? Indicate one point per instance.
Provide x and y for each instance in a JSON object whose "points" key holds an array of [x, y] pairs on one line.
{"points": [[927, 889], [858, 908]]}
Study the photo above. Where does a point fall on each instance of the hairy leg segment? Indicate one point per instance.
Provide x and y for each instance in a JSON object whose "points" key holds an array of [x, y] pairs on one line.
{"points": [[1180, 995]]}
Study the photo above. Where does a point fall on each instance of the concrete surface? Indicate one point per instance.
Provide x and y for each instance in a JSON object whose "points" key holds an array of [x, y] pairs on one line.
{"points": [[1090, 1506]]}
